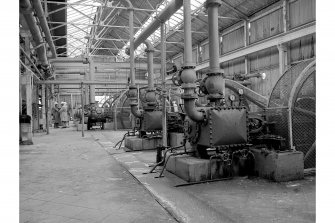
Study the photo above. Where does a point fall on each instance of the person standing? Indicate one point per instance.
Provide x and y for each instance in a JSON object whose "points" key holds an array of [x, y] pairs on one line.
{"points": [[56, 115], [63, 114]]}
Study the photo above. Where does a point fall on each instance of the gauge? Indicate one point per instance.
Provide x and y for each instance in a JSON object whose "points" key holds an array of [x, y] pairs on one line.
{"points": [[240, 91], [232, 97]]}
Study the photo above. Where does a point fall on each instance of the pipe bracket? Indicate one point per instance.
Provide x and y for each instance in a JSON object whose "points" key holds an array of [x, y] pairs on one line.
{"points": [[218, 73], [213, 3]]}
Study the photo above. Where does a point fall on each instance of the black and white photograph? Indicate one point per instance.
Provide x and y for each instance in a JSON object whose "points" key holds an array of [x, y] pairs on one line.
{"points": [[167, 111]]}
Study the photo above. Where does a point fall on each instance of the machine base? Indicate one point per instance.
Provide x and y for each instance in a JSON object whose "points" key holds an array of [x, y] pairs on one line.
{"points": [[192, 169], [135, 143], [279, 166]]}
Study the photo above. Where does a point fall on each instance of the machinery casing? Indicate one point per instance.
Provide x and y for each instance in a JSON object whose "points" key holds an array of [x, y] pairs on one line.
{"points": [[152, 121], [225, 126]]}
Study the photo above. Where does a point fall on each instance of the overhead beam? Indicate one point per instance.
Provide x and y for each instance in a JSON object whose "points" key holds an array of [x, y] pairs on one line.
{"points": [[87, 82], [238, 12], [111, 65], [95, 5], [297, 33]]}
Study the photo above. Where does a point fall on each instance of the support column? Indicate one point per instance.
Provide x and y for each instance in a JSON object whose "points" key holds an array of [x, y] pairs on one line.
{"points": [[286, 16], [91, 78], [71, 101], [163, 72], [86, 95], [46, 109], [283, 57], [246, 43], [58, 95], [43, 107]]}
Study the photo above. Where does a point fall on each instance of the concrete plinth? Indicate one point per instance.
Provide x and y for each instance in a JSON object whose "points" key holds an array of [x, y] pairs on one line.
{"points": [[135, 143], [192, 169], [79, 127], [177, 139], [283, 166]]}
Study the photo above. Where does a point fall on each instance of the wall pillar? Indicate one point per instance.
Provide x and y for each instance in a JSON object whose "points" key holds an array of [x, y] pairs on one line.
{"points": [[283, 57]]}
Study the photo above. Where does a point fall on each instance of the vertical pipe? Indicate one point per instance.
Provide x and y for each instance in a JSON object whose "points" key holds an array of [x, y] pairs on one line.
{"points": [[213, 37], [131, 41], [46, 109], [163, 71], [150, 70], [188, 75], [188, 60], [82, 110]]}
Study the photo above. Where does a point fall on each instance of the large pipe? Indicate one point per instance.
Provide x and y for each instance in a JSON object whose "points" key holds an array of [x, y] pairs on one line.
{"points": [[162, 17], [150, 95], [131, 49], [132, 92], [69, 60], [188, 75], [44, 24], [213, 35], [26, 10], [70, 71], [214, 82], [150, 60]]}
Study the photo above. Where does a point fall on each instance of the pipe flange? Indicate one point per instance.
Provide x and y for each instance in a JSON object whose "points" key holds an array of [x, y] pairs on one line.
{"points": [[210, 3], [218, 73], [189, 96], [188, 86], [188, 67], [215, 96]]}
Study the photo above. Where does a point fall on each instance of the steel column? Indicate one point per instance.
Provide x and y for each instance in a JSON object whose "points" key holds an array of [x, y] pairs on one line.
{"points": [[91, 78], [163, 71], [46, 110], [82, 110]]}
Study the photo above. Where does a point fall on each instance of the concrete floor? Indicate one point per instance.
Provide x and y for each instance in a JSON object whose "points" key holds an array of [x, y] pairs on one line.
{"points": [[67, 178]]}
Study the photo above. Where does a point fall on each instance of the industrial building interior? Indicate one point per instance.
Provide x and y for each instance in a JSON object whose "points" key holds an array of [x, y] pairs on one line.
{"points": [[167, 111]]}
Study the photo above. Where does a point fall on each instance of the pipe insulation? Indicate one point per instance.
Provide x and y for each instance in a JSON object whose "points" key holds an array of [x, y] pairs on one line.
{"points": [[162, 17], [26, 10], [44, 24]]}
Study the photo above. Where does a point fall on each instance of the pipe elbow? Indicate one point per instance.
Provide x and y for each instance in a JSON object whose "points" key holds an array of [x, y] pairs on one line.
{"points": [[192, 111], [150, 47], [135, 111]]}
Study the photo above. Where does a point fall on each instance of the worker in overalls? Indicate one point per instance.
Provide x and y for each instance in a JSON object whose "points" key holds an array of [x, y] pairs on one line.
{"points": [[56, 115], [63, 115]]}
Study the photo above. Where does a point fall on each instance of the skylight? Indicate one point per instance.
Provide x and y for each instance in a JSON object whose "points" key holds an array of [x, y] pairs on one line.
{"points": [[80, 20]]}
